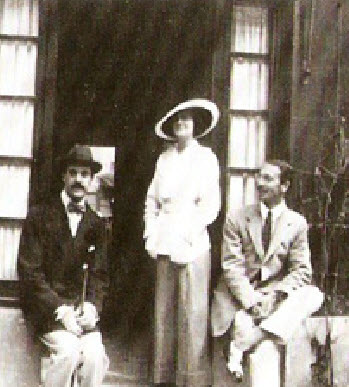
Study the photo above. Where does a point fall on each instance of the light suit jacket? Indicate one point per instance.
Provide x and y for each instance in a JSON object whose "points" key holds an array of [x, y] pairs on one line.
{"points": [[285, 266]]}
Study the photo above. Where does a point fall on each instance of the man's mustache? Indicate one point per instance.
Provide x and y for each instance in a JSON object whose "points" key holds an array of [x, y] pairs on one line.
{"points": [[77, 186]]}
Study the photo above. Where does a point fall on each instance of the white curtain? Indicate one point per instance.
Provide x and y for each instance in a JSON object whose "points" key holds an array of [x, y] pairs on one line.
{"points": [[249, 84], [247, 141], [19, 17], [248, 100], [9, 242], [17, 65], [243, 191], [250, 30], [16, 128], [17, 79], [14, 190]]}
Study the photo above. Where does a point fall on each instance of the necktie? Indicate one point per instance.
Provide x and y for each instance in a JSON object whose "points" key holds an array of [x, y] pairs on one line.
{"points": [[76, 208], [266, 232]]}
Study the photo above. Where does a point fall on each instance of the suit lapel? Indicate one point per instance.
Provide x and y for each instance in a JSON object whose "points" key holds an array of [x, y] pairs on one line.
{"points": [[254, 222], [84, 226], [59, 220], [279, 230]]}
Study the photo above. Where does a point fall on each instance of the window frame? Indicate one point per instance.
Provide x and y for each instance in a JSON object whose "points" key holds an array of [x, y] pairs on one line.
{"points": [[246, 172], [43, 101]]}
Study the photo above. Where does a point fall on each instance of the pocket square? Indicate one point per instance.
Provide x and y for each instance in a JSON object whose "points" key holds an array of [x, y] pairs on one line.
{"points": [[91, 248]]}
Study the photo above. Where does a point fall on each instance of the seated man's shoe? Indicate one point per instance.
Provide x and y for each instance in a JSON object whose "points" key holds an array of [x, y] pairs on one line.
{"points": [[234, 364]]}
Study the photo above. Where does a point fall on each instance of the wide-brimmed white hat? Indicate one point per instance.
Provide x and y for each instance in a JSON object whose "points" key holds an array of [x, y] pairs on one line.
{"points": [[196, 103]]}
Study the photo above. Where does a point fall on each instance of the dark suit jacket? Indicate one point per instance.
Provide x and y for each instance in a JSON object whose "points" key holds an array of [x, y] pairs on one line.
{"points": [[50, 262]]}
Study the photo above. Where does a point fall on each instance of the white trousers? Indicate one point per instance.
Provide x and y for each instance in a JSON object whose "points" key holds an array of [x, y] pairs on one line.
{"points": [[69, 352], [299, 305], [288, 316]]}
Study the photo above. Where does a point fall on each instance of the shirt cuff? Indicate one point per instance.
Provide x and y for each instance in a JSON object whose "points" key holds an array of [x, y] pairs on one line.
{"points": [[90, 308], [61, 311]]}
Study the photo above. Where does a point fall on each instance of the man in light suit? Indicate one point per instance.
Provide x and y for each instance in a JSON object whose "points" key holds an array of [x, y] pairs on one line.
{"points": [[61, 254], [265, 289]]}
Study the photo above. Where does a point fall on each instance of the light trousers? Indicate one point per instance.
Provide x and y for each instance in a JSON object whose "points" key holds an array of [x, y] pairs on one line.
{"points": [[181, 322], [299, 305], [69, 353], [288, 316]]}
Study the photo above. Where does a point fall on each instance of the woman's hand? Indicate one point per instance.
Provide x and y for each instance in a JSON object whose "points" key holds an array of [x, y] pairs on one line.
{"points": [[150, 247]]}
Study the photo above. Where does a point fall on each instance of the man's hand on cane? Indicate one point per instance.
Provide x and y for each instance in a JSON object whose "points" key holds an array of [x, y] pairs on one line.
{"points": [[66, 314], [87, 316]]}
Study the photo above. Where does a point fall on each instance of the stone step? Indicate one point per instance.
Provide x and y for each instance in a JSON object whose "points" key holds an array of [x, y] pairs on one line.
{"points": [[114, 378]]}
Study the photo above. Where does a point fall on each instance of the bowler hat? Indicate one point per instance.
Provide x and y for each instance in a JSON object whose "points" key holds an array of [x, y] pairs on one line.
{"points": [[198, 105], [80, 155]]}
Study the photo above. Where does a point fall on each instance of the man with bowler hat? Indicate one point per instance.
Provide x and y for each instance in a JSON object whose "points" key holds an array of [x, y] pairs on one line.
{"points": [[63, 276]]}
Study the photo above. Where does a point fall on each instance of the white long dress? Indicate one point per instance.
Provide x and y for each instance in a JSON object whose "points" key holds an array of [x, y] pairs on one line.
{"points": [[182, 200]]}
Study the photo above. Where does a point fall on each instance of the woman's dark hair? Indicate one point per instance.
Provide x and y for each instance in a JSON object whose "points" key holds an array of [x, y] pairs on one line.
{"points": [[201, 118]]}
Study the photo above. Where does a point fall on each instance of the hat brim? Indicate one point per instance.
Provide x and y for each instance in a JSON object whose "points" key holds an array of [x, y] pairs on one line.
{"points": [[94, 165], [200, 103]]}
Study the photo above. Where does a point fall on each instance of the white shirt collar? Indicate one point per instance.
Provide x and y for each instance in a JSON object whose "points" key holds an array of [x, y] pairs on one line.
{"points": [[66, 199], [73, 218], [275, 211]]}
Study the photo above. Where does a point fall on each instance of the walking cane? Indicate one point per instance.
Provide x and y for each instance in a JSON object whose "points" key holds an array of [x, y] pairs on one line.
{"points": [[84, 285]]}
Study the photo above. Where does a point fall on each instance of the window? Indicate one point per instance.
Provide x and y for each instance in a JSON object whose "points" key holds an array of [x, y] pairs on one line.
{"points": [[248, 105], [18, 56]]}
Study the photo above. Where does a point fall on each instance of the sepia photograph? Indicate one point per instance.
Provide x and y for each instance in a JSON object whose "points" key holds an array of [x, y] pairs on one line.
{"points": [[174, 197]]}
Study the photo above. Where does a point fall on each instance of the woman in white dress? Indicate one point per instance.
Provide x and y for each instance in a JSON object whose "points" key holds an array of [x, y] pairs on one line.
{"points": [[182, 200]]}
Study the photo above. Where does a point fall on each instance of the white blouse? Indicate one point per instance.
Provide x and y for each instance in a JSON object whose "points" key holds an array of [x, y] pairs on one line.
{"points": [[182, 199]]}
